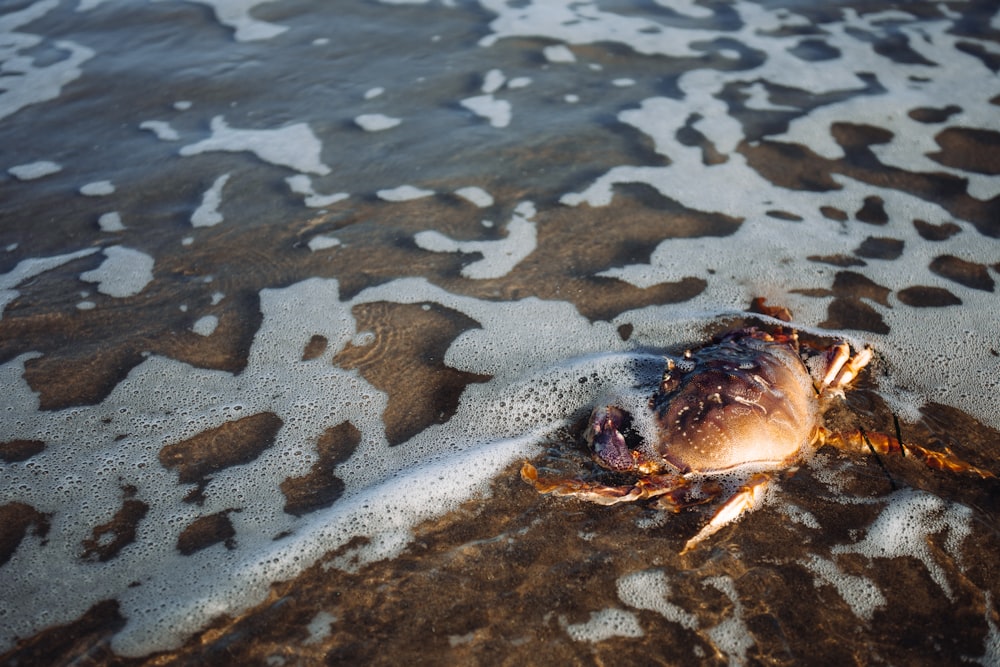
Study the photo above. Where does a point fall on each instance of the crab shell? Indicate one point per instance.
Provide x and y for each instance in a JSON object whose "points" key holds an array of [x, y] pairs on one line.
{"points": [[746, 399]]}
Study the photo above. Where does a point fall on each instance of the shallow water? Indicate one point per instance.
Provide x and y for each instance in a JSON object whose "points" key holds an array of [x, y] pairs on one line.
{"points": [[291, 289]]}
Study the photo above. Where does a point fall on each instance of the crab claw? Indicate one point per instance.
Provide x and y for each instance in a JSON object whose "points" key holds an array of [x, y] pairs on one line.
{"points": [[744, 500], [606, 440]]}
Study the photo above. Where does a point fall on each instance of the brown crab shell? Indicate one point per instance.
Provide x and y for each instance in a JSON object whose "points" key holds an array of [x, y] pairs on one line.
{"points": [[746, 399]]}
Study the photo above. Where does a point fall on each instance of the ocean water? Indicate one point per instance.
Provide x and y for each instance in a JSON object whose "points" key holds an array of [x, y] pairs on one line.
{"points": [[291, 289]]}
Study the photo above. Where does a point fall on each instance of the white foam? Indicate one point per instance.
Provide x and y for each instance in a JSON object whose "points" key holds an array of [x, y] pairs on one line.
{"points": [[649, 589], [758, 97], [29, 268], [97, 189], [33, 170], [476, 195], [323, 242], [206, 325], [387, 489], [498, 112], [800, 516], [493, 81], [519, 82], [904, 529], [623, 82], [162, 129], [111, 222], [319, 627], [302, 184], [558, 53], [735, 189], [583, 23], [124, 272], [372, 93], [730, 635], [860, 593], [499, 257], [403, 193], [207, 214], [25, 83], [605, 624], [293, 146], [376, 122]]}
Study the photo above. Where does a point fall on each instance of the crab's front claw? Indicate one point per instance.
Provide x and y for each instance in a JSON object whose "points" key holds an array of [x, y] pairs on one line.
{"points": [[606, 440], [744, 500]]}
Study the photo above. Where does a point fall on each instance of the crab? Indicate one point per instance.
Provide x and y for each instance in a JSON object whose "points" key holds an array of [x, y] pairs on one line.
{"points": [[748, 404]]}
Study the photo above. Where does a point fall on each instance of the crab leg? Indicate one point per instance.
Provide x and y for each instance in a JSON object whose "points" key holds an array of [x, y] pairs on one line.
{"points": [[742, 501], [886, 444], [842, 367], [647, 487]]}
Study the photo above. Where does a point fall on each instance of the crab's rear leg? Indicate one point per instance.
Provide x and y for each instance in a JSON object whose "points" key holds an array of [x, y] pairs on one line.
{"points": [[744, 500], [602, 494], [880, 443]]}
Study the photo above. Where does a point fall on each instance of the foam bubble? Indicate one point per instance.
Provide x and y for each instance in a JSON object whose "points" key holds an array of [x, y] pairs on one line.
{"points": [[476, 195], [558, 53], [302, 184], [29, 268], [97, 189], [498, 112], [905, 526], [403, 193], [111, 222], [499, 257], [319, 627], [649, 589], [800, 516], [207, 214], [323, 242], [376, 122], [294, 146], [493, 81], [27, 82], [605, 624], [162, 129], [124, 272], [206, 325], [32, 170], [731, 635], [860, 593]]}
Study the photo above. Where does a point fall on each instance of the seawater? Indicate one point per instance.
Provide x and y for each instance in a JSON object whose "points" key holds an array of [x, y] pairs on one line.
{"points": [[290, 289]]}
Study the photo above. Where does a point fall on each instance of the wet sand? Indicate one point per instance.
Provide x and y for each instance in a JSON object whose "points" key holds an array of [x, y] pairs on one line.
{"points": [[187, 425]]}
